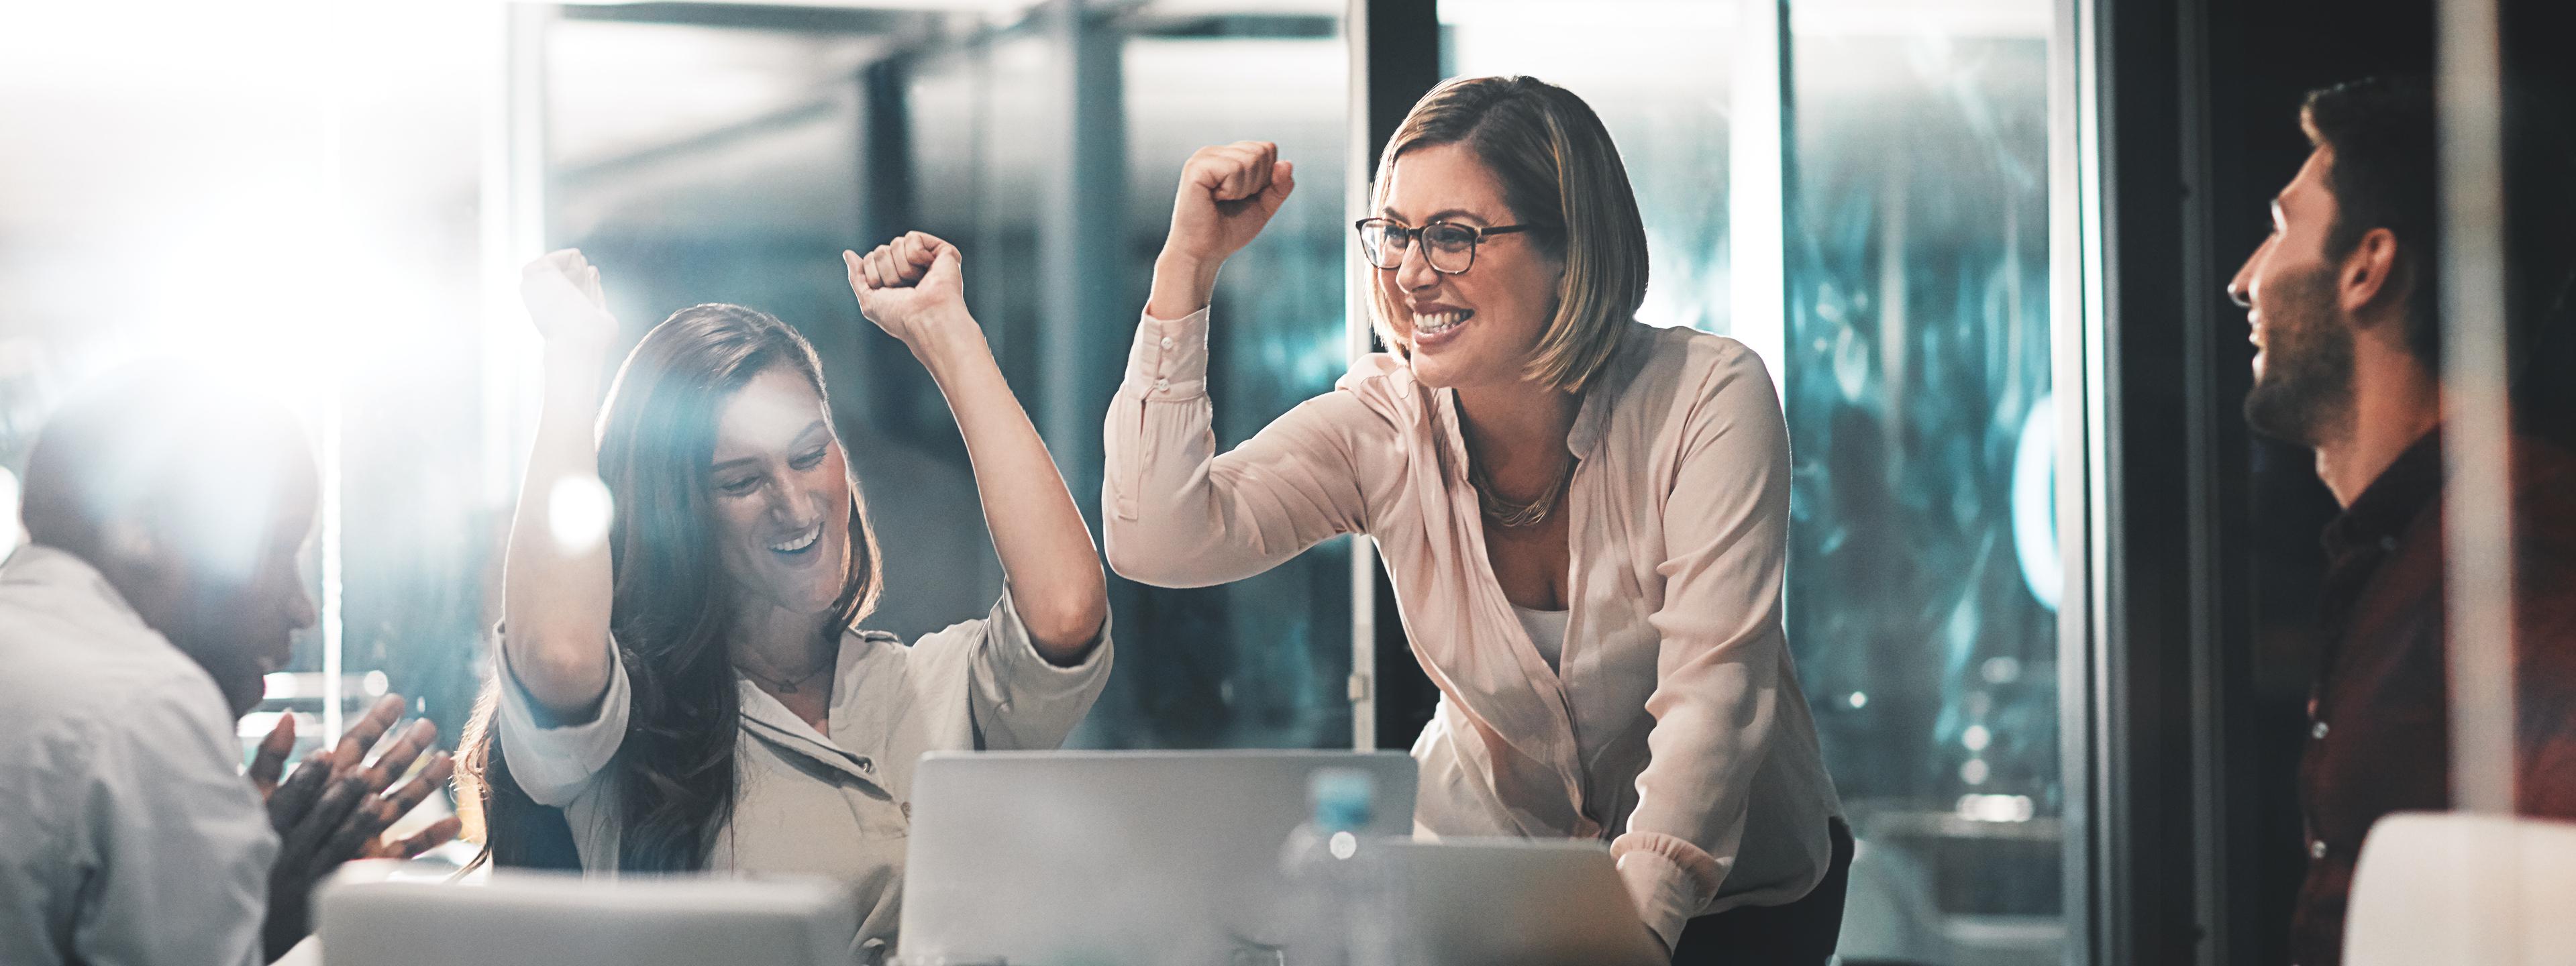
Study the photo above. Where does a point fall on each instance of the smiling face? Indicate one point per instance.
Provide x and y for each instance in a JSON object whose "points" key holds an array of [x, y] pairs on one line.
{"points": [[780, 490], [2303, 338], [1480, 327]]}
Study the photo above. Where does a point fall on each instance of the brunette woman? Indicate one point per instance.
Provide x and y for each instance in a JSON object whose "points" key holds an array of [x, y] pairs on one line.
{"points": [[692, 691]]}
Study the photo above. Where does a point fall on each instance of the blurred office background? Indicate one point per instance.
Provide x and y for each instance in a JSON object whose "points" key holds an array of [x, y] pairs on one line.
{"points": [[1901, 205]]}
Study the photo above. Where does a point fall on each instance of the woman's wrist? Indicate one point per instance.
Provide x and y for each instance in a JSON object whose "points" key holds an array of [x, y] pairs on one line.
{"points": [[945, 345], [573, 372], [1182, 284]]}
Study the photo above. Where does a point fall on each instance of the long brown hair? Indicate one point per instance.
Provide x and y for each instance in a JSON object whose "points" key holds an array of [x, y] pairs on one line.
{"points": [[675, 772]]}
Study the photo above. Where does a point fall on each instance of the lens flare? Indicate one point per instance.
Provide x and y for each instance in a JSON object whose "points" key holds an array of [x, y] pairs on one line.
{"points": [[578, 509], [8, 512]]}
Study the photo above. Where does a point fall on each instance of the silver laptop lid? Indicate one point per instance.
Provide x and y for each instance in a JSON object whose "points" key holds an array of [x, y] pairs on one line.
{"points": [[1132, 858], [550, 919], [1528, 902]]}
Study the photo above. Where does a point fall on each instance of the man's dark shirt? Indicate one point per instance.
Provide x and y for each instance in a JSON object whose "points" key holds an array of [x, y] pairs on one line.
{"points": [[2379, 728]]}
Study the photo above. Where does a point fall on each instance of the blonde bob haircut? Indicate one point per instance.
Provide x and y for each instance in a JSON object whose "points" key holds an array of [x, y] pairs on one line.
{"points": [[1560, 172]]}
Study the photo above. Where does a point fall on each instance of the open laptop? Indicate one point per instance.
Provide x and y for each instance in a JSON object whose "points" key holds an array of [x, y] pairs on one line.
{"points": [[1131, 858], [1525, 902], [364, 918]]}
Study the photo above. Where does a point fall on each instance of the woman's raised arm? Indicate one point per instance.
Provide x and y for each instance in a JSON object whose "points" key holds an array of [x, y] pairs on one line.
{"points": [[555, 586], [1175, 512], [914, 288]]}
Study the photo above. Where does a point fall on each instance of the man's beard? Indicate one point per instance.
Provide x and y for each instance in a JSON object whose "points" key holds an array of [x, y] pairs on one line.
{"points": [[2304, 393]]}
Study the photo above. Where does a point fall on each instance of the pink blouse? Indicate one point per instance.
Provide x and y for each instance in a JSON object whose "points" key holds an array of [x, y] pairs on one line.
{"points": [[1673, 724]]}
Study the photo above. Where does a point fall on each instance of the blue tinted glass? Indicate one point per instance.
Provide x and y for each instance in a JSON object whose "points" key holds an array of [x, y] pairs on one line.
{"points": [[1260, 662], [1914, 359], [786, 156], [1918, 399], [1658, 74]]}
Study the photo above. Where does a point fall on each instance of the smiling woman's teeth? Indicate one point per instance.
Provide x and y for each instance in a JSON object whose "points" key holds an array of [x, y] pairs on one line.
{"points": [[1438, 322], [799, 543]]}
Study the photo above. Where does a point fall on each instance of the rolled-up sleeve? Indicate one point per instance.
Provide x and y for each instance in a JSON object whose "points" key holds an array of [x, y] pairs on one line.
{"points": [[1020, 700], [1175, 513], [1719, 676], [553, 760]]}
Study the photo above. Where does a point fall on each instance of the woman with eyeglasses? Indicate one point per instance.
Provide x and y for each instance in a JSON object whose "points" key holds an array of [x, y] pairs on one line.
{"points": [[1585, 518]]}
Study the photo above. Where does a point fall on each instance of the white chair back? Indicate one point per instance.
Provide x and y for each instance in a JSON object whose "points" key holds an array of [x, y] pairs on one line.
{"points": [[2458, 888]]}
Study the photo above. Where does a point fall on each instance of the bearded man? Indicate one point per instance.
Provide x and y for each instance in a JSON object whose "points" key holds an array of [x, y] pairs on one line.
{"points": [[2342, 299]]}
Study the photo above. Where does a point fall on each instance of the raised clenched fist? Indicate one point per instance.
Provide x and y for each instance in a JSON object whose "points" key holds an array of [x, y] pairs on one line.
{"points": [[562, 294], [1227, 194], [912, 287]]}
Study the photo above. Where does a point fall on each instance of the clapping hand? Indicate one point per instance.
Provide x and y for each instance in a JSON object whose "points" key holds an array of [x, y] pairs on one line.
{"points": [[335, 807]]}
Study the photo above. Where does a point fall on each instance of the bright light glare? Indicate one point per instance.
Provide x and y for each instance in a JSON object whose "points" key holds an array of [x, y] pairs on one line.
{"points": [[1976, 738], [280, 686], [229, 543], [258, 724], [578, 510], [2034, 504], [245, 200], [8, 511], [2002, 670], [1344, 845], [375, 684], [1996, 808]]}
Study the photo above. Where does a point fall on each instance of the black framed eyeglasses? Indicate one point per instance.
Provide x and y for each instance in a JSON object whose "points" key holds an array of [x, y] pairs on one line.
{"points": [[1449, 248]]}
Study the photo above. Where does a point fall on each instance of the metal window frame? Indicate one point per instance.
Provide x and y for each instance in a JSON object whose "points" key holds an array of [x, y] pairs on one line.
{"points": [[2139, 643], [2075, 303], [2477, 498], [1388, 74]]}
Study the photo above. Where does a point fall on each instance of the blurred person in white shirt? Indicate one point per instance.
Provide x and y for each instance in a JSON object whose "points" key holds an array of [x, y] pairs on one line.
{"points": [[158, 587]]}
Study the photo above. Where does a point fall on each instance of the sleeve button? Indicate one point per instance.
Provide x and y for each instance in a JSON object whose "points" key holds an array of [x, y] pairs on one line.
{"points": [[1162, 385], [2317, 731], [2317, 849], [1167, 342]]}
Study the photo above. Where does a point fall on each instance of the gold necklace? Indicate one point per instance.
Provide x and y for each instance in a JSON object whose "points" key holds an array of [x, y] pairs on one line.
{"points": [[1511, 515]]}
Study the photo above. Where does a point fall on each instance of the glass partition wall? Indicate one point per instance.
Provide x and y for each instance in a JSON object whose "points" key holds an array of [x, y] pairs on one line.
{"points": [[1920, 390], [1876, 198], [1260, 662], [722, 155], [1910, 254]]}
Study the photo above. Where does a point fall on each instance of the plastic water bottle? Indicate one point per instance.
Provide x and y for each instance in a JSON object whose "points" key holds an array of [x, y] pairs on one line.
{"points": [[1342, 895]]}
